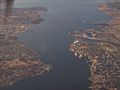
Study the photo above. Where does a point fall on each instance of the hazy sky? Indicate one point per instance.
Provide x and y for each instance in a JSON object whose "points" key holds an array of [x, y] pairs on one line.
{"points": [[55, 3], [24, 0]]}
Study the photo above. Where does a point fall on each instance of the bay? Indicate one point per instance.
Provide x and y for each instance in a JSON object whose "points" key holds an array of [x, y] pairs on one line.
{"points": [[51, 40]]}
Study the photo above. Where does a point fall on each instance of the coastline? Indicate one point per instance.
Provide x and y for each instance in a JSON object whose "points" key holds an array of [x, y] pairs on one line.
{"points": [[17, 60], [102, 51]]}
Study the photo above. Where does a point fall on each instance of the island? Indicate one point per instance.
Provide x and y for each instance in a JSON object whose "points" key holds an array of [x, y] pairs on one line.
{"points": [[18, 61], [100, 48]]}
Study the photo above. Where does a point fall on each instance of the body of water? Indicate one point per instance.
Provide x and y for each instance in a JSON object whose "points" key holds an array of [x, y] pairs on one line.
{"points": [[51, 40]]}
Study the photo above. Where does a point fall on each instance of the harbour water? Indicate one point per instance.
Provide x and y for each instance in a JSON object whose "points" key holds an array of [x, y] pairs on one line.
{"points": [[51, 40]]}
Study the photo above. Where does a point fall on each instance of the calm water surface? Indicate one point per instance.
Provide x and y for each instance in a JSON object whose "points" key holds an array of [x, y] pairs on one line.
{"points": [[51, 40]]}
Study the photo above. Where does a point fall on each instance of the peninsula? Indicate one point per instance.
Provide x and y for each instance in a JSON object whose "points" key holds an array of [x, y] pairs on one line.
{"points": [[18, 61]]}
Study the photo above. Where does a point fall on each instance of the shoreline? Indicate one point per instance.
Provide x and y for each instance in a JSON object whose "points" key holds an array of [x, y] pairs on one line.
{"points": [[17, 60], [103, 57]]}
